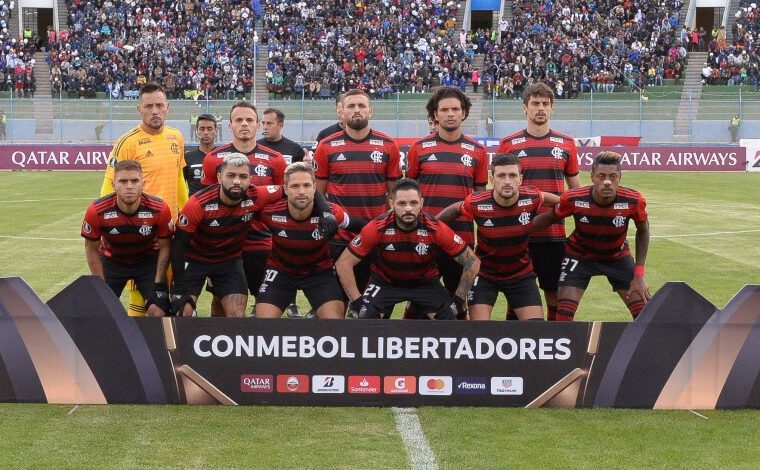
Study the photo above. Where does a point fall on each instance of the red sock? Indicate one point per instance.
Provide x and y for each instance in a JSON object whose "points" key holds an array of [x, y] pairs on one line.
{"points": [[551, 313], [635, 308], [566, 310]]}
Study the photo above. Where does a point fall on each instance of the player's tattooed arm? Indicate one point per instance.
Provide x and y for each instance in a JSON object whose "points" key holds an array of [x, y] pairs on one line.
{"points": [[164, 250], [470, 267], [450, 213]]}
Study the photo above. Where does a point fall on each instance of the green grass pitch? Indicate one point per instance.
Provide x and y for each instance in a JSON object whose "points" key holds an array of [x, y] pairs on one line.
{"points": [[705, 228]]}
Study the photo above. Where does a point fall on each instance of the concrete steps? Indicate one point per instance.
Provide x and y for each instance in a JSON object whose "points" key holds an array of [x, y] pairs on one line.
{"points": [[691, 96]]}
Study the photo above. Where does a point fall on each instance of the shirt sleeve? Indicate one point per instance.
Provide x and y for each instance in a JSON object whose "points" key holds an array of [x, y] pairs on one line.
{"points": [[641, 210], [451, 243], [564, 207], [165, 222], [365, 242], [278, 170], [191, 216], [121, 150], [412, 163], [210, 163], [265, 195], [91, 224], [465, 209], [393, 171], [504, 146], [340, 215], [571, 167], [321, 165], [481, 168]]}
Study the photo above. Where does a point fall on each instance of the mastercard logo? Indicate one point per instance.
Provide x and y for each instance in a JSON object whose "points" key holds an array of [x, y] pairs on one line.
{"points": [[436, 384]]}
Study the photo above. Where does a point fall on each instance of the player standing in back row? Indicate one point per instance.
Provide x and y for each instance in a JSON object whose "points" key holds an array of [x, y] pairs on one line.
{"points": [[548, 160]]}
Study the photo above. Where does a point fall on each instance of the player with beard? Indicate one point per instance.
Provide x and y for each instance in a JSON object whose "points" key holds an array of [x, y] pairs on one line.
{"points": [[211, 230], [267, 168], [205, 130], [548, 160], [355, 168], [449, 166], [338, 126], [272, 122], [300, 256], [598, 244], [406, 242]]}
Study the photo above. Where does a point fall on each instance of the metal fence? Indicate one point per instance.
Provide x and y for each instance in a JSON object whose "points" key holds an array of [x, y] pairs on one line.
{"points": [[651, 114]]}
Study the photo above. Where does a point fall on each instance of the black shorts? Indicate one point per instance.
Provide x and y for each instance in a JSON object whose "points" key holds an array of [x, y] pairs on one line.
{"points": [[577, 272], [451, 271], [547, 261], [117, 275], [279, 288], [428, 297], [226, 277], [254, 266], [521, 292], [362, 270]]}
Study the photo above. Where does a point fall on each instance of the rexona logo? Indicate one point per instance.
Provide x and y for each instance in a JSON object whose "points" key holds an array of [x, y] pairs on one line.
{"points": [[328, 384], [470, 386], [506, 385], [400, 385], [364, 384], [292, 383], [435, 385], [256, 383]]}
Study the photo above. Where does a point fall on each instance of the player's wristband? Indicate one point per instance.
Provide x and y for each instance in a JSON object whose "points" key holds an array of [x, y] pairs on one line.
{"points": [[639, 270]]}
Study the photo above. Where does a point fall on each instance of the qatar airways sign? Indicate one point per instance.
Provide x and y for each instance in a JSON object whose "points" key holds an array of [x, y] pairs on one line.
{"points": [[54, 157], [671, 158]]}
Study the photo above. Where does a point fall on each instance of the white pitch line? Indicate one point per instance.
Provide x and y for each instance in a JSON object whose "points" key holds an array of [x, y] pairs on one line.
{"points": [[699, 414], [418, 452], [71, 411], [705, 234], [23, 201], [42, 238]]}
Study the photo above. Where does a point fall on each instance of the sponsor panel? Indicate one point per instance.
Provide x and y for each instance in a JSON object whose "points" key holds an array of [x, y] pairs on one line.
{"points": [[400, 385], [470, 386], [506, 385], [671, 158], [328, 384], [288, 383], [256, 383], [435, 385], [366, 384]]}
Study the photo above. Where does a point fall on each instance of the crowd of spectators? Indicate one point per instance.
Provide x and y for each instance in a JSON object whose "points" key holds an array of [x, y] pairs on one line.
{"points": [[735, 62], [576, 46], [16, 56]]}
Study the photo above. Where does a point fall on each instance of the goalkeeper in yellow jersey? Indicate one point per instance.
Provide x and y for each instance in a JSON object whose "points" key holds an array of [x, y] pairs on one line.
{"points": [[160, 150]]}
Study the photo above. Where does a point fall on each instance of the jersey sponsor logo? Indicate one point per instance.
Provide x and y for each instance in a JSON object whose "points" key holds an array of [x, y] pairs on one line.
{"points": [[211, 207], [618, 221], [377, 156], [466, 160], [247, 217], [583, 204], [328, 384], [458, 239], [198, 173], [584, 220], [292, 383], [86, 227], [357, 241], [518, 140], [221, 155], [337, 143], [214, 223], [468, 146], [390, 247], [145, 230], [523, 202], [364, 384], [422, 249], [314, 220], [390, 231], [485, 207], [273, 188], [183, 220], [148, 153], [435, 385], [375, 142], [427, 145], [340, 158], [260, 170], [246, 203], [110, 215], [432, 158], [470, 386], [143, 141], [524, 218], [279, 218], [256, 383], [620, 205], [144, 215], [558, 140], [261, 156], [488, 223], [282, 234], [522, 153], [421, 232], [288, 158], [506, 385], [558, 153], [114, 231], [399, 385]]}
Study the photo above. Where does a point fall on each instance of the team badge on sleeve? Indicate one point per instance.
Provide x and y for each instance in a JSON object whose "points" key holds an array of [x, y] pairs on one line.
{"points": [[357, 241], [86, 227], [458, 239], [183, 220], [112, 162], [273, 189]]}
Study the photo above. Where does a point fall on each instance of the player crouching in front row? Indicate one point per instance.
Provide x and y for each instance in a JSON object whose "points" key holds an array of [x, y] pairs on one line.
{"points": [[406, 242], [597, 246]]}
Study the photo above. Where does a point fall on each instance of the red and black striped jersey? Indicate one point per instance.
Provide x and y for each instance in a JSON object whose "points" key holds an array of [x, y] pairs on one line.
{"points": [[545, 162], [267, 168], [217, 231], [357, 173], [447, 173], [127, 239], [503, 232], [406, 258], [600, 231], [298, 247]]}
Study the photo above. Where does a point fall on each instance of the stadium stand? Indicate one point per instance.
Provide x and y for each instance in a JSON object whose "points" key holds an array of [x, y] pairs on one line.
{"points": [[16, 56]]}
